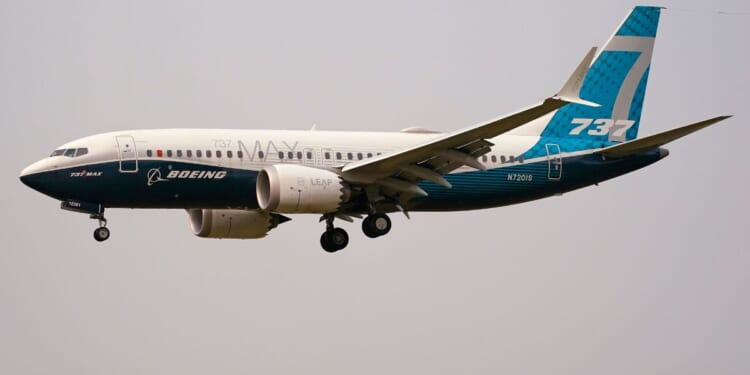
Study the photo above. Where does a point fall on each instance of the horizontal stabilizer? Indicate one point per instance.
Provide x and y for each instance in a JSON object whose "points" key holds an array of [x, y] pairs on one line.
{"points": [[657, 140]]}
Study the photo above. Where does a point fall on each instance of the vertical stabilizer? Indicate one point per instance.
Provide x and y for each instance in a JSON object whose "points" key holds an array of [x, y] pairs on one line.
{"points": [[616, 81]]}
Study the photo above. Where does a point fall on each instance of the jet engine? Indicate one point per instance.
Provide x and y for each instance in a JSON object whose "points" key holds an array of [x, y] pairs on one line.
{"points": [[233, 223], [291, 188]]}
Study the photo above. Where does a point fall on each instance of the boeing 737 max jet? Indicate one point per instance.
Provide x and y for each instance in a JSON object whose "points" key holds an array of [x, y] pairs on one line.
{"points": [[241, 183]]}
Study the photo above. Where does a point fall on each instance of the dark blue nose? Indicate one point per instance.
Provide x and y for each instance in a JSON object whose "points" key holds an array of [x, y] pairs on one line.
{"points": [[26, 180], [36, 176], [34, 181]]}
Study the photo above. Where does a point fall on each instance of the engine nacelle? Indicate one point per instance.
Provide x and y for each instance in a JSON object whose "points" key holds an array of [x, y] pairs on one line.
{"points": [[233, 223], [291, 188]]}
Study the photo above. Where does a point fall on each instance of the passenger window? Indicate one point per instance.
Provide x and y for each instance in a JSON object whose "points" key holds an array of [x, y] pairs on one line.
{"points": [[494, 159], [229, 154], [520, 158], [149, 153], [369, 154], [198, 153], [179, 153], [81, 152], [502, 158], [208, 153], [189, 153], [484, 158], [338, 156], [327, 155], [239, 154], [281, 155], [512, 158], [349, 155], [70, 152], [290, 155], [169, 153], [218, 153], [359, 155], [309, 155], [57, 152], [260, 155], [299, 155]]}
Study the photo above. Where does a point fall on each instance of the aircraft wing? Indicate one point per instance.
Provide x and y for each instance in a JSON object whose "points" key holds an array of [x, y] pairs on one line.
{"points": [[646, 143], [399, 172]]}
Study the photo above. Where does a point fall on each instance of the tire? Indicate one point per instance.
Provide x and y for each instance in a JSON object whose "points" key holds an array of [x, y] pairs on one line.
{"points": [[101, 234], [325, 243], [338, 238], [376, 225]]}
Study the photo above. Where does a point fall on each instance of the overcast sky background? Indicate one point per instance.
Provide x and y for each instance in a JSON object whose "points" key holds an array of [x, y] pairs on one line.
{"points": [[648, 273]]}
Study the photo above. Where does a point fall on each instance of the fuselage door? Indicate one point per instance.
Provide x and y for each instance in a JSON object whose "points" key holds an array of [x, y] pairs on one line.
{"points": [[127, 154], [554, 162]]}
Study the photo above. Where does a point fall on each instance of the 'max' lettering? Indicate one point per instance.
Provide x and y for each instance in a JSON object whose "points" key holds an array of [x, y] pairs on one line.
{"points": [[270, 149]]}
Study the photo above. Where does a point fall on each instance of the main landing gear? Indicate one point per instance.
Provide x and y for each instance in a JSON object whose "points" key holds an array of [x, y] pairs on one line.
{"points": [[335, 239], [101, 233], [376, 225]]}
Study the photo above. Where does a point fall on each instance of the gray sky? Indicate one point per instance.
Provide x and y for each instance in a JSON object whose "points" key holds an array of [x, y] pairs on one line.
{"points": [[647, 273]]}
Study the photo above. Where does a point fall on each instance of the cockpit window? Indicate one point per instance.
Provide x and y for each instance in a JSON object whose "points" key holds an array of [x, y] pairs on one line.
{"points": [[70, 152]]}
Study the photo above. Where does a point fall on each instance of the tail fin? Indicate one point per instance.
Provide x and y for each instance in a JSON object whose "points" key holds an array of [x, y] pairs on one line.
{"points": [[616, 80]]}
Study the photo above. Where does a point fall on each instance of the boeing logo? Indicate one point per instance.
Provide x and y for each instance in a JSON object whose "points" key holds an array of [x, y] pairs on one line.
{"points": [[154, 175]]}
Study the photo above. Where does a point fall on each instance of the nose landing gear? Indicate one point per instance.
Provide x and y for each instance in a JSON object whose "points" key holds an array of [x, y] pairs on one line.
{"points": [[101, 233], [95, 211]]}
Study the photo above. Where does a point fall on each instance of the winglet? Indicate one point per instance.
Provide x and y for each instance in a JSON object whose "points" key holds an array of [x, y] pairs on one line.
{"points": [[570, 92]]}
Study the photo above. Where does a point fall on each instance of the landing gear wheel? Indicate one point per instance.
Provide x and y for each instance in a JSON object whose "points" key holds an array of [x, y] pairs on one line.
{"points": [[334, 240], [376, 225], [101, 234]]}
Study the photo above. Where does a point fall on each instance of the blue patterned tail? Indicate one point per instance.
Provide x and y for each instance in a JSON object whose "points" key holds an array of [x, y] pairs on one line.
{"points": [[617, 81]]}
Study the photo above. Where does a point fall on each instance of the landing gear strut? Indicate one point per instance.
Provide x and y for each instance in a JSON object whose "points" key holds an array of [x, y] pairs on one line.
{"points": [[101, 233], [376, 225], [333, 239]]}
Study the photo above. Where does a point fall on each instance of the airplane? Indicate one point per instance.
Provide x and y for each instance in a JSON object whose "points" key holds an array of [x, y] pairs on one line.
{"points": [[242, 183]]}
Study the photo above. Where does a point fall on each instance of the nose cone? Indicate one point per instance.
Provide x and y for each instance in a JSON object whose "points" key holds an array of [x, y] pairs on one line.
{"points": [[25, 179], [32, 176]]}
